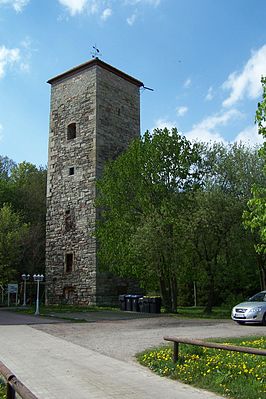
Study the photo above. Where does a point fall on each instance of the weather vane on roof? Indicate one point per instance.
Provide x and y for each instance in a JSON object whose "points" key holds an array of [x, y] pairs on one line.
{"points": [[95, 53]]}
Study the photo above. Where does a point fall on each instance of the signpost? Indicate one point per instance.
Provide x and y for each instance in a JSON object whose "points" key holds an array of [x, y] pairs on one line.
{"points": [[12, 289]]}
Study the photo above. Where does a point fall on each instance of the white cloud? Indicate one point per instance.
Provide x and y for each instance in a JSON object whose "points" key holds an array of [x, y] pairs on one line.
{"points": [[161, 123], [187, 83], [106, 14], [221, 119], [131, 20], [249, 136], [18, 5], [94, 6], [209, 95], [204, 136], [8, 57], [153, 3], [74, 6], [208, 128], [247, 82], [26, 53], [181, 111], [100, 7]]}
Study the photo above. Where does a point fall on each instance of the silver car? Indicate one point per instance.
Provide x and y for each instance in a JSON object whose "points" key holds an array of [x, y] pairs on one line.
{"points": [[252, 311]]}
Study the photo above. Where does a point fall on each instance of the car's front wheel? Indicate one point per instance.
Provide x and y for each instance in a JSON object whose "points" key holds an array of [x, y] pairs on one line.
{"points": [[241, 322], [264, 319]]}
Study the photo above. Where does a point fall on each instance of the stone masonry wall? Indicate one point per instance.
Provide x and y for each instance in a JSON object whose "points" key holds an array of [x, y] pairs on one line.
{"points": [[72, 101], [105, 109], [118, 122]]}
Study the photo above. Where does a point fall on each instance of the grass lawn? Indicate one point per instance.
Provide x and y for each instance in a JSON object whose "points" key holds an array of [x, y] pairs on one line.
{"points": [[190, 312], [232, 374], [2, 389], [48, 310], [198, 312]]}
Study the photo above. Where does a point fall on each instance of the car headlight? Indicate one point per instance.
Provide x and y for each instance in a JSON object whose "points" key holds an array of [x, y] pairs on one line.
{"points": [[255, 310]]}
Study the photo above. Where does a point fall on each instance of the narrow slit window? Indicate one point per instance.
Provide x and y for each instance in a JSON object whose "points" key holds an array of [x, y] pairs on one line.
{"points": [[71, 131], [71, 171], [69, 262]]}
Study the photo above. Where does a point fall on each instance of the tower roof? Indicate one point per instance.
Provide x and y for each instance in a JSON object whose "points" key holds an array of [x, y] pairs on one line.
{"points": [[90, 64]]}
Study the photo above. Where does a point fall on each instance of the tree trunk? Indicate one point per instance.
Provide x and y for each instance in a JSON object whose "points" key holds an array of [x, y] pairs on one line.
{"points": [[210, 288], [262, 271], [173, 285], [165, 294]]}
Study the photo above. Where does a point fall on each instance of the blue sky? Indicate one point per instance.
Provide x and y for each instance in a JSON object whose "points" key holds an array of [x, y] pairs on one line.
{"points": [[203, 58]]}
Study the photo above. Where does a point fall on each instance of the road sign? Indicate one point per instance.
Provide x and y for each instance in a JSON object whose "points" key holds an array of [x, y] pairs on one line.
{"points": [[12, 288]]}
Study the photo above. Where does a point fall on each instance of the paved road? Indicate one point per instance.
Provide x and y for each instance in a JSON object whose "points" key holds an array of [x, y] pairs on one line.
{"points": [[13, 318], [122, 339], [94, 360]]}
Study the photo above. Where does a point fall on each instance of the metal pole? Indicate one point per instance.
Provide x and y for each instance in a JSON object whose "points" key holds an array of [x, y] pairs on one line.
{"points": [[25, 278], [37, 312], [24, 296], [38, 278]]}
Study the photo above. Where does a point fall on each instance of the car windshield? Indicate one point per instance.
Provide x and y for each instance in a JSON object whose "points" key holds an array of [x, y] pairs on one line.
{"points": [[260, 297]]}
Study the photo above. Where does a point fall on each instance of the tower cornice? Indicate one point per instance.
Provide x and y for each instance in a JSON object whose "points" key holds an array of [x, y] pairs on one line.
{"points": [[90, 64]]}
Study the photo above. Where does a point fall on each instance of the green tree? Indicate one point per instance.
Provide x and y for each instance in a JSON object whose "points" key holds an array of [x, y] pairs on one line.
{"points": [[23, 186], [172, 213], [7, 194], [216, 222], [29, 185], [12, 234], [6, 165], [143, 197], [255, 216]]}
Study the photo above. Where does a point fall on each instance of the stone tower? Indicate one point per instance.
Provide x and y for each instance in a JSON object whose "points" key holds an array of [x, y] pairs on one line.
{"points": [[95, 113]]}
